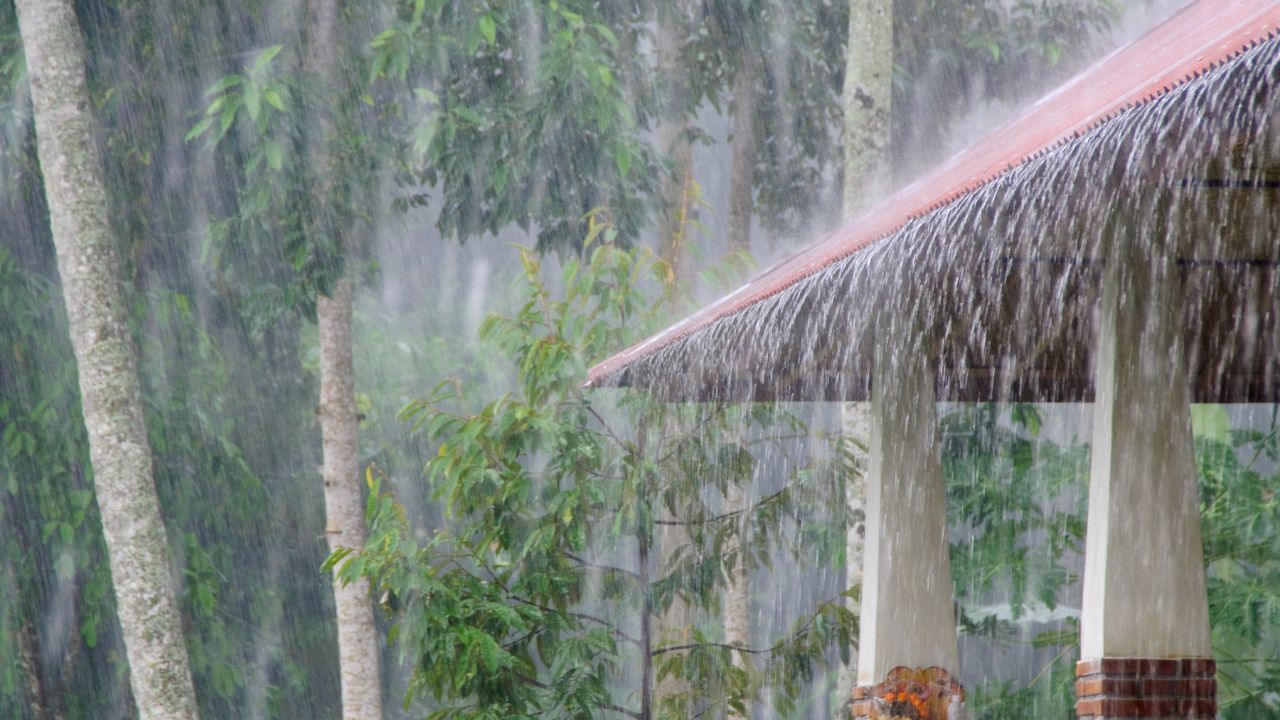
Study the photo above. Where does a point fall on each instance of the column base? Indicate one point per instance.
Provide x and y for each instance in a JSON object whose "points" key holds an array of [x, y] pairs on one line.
{"points": [[911, 694], [1146, 689]]}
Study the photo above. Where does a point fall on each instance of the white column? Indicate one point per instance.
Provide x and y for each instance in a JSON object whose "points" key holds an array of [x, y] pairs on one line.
{"points": [[906, 616], [1144, 580]]}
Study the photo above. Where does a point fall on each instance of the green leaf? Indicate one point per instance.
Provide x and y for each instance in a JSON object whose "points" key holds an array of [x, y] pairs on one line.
{"points": [[468, 114], [272, 96], [201, 128], [253, 101], [265, 57], [226, 83], [622, 157], [275, 155], [228, 117], [488, 29]]}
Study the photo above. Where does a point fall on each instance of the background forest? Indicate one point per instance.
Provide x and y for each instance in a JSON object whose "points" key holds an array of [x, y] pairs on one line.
{"points": [[472, 202]]}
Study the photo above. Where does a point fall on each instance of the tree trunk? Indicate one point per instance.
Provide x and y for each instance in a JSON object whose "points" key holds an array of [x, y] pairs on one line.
{"points": [[868, 91], [678, 191], [359, 658], [675, 625], [344, 506], [742, 173], [89, 264], [737, 618], [646, 629], [868, 88], [737, 606]]}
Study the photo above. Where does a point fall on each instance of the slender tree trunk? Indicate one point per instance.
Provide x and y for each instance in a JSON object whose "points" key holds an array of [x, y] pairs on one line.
{"points": [[89, 264], [678, 191], [742, 173], [344, 506], [358, 654], [646, 630], [868, 92], [675, 625], [737, 606], [737, 612]]}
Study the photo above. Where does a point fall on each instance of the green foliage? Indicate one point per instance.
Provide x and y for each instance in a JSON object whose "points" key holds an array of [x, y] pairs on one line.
{"points": [[248, 631], [259, 97], [1241, 516], [14, 113], [1006, 489], [1019, 502], [276, 113], [53, 545], [796, 96], [522, 114], [1051, 694], [950, 56], [548, 585]]}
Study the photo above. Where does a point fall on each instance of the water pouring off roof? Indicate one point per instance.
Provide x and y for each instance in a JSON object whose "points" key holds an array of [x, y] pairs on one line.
{"points": [[1207, 37]]}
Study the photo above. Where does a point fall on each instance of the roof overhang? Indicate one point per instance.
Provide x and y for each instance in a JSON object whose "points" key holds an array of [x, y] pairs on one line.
{"points": [[999, 249]]}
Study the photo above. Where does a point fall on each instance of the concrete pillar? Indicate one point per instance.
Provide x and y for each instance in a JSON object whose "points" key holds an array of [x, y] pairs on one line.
{"points": [[1144, 636], [908, 662]]}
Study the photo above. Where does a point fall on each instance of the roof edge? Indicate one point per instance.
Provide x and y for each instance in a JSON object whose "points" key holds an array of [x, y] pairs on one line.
{"points": [[1253, 25]]}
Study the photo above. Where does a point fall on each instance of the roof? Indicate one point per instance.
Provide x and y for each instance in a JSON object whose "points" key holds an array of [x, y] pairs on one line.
{"points": [[1197, 39]]}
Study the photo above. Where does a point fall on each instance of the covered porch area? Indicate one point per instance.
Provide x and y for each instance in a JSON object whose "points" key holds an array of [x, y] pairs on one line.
{"points": [[1117, 244]]}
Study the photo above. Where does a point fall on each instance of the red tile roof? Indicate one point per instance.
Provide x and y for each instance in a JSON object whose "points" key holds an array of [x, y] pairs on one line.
{"points": [[1201, 36]]}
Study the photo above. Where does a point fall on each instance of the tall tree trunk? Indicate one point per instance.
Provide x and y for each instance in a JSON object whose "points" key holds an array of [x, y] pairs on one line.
{"points": [[737, 606], [742, 173], [868, 89], [678, 191], [89, 264], [358, 654], [673, 625], [867, 176], [737, 610], [646, 628]]}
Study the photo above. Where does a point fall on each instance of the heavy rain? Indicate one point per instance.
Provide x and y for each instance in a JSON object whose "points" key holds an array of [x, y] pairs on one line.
{"points": [[662, 360]]}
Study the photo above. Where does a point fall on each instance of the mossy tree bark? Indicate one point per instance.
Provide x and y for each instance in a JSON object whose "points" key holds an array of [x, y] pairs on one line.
{"points": [[358, 652], [868, 88], [359, 659], [867, 176], [89, 265]]}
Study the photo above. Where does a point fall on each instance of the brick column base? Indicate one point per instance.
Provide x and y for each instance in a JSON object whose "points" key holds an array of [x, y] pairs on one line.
{"points": [[914, 693], [1133, 688]]}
